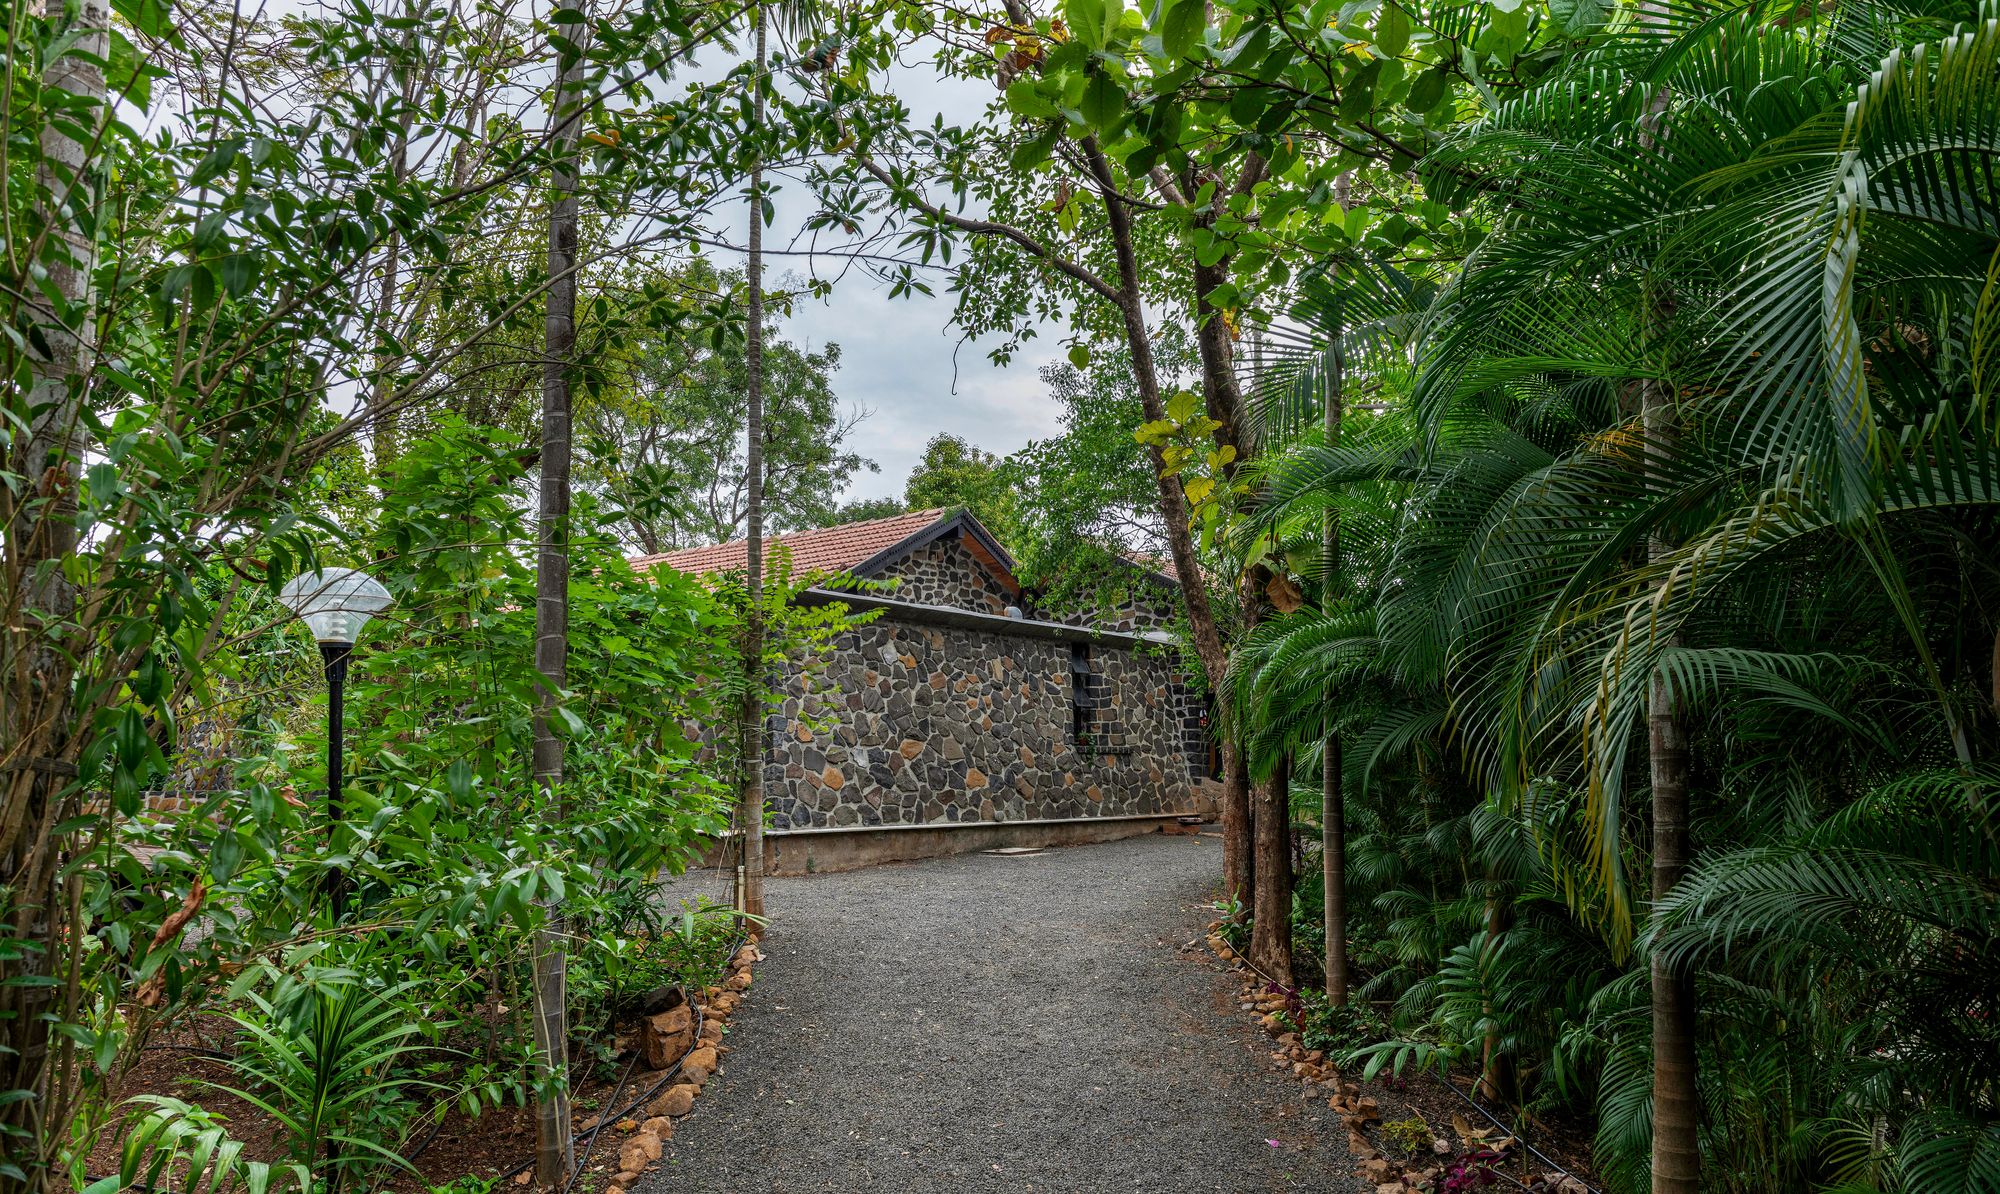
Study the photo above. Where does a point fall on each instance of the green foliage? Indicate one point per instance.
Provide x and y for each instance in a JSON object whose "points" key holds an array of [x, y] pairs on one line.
{"points": [[630, 957], [662, 442], [178, 1148], [1787, 552], [326, 1061], [955, 475], [1340, 1032], [1411, 1136]]}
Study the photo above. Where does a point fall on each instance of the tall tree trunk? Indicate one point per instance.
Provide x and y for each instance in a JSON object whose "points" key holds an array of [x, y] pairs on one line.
{"points": [[384, 438], [1271, 933], [750, 806], [1271, 846], [1129, 297], [1676, 1095], [1223, 398], [1332, 800], [37, 736], [1265, 815], [1239, 861], [552, 1128], [1676, 1092]]}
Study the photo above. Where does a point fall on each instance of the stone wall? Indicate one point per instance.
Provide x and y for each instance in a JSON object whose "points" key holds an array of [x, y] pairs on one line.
{"points": [[1152, 606], [945, 572], [916, 723]]}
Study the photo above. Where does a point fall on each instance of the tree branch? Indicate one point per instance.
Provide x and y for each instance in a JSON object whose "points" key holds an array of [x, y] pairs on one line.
{"points": [[1026, 240]]}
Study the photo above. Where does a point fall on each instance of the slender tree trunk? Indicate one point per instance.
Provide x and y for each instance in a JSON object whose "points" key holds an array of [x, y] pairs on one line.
{"points": [[1271, 848], [1333, 869], [552, 1127], [1676, 1092], [37, 608], [1236, 811], [750, 806], [1332, 800], [1223, 398], [1676, 1095], [1130, 300], [384, 437]]}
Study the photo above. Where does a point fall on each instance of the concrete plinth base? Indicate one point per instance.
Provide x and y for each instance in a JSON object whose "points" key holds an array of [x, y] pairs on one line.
{"points": [[812, 851]]}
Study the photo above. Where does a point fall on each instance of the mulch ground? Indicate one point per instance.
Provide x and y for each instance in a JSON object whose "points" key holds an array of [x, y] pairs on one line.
{"points": [[181, 1064], [1541, 1154]]}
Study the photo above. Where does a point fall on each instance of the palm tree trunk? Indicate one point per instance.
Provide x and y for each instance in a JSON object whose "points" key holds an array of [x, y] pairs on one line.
{"points": [[552, 1128], [1332, 801], [1676, 1095], [750, 807]]}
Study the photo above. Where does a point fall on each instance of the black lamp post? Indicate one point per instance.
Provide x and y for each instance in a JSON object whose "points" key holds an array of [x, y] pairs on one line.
{"points": [[335, 604]]}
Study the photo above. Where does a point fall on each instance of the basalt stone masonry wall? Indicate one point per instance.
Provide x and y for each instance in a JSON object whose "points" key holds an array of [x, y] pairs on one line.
{"points": [[947, 573], [913, 723]]}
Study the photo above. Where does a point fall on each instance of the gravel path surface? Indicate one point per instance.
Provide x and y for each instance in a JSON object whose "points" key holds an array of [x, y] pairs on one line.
{"points": [[1001, 1023]]}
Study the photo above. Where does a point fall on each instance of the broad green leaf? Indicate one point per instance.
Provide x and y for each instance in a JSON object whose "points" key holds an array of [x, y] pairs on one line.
{"points": [[1427, 90], [1103, 102], [1392, 31], [1181, 31], [1024, 99], [1086, 21]]}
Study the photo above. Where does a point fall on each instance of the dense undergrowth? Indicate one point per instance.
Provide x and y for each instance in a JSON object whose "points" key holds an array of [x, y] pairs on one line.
{"points": [[1684, 475]]}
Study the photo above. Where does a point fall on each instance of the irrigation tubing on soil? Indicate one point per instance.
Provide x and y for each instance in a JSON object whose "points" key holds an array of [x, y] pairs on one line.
{"points": [[589, 1138], [1467, 1099], [1537, 1153]]}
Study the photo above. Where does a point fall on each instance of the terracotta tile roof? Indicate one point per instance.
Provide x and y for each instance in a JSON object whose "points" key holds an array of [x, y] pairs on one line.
{"points": [[1164, 565], [827, 549]]}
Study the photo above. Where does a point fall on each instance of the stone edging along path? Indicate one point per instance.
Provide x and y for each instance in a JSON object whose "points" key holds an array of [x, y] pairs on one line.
{"points": [[665, 1039], [1431, 1167]]}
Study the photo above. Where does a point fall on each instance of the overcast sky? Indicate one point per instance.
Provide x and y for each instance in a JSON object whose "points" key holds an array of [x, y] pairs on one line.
{"points": [[900, 358]]}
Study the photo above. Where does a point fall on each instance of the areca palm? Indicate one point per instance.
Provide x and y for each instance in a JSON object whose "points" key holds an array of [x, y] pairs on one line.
{"points": [[1782, 235]]}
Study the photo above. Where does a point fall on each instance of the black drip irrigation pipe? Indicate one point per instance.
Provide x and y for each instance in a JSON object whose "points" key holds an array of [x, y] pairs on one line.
{"points": [[1522, 1141], [610, 1117], [1467, 1099], [589, 1139]]}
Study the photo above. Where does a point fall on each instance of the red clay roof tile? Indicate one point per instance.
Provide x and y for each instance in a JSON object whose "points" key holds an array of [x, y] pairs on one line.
{"points": [[826, 549]]}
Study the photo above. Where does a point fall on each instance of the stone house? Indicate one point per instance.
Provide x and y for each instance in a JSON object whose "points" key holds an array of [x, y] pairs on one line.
{"points": [[965, 707]]}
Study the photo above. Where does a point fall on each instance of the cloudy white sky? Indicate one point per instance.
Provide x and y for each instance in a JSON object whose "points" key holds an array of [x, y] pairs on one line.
{"points": [[901, 358]]}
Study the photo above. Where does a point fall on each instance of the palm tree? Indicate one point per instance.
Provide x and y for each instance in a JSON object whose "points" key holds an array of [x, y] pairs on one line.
{"points": [[1811, 197]]}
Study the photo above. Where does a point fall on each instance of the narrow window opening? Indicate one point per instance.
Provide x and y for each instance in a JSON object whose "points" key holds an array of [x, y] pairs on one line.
{"points": [[1082, 694]]}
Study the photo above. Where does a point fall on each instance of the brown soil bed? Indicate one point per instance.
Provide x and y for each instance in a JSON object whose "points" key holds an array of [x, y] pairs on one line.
{"points": [[1564, 1143], [181, 1064]]}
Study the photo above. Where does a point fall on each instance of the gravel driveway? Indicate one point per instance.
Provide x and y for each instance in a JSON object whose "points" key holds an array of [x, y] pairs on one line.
{"points": [[1001, 1023]]}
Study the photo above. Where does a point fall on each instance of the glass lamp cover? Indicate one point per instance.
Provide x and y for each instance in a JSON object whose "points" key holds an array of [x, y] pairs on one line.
{"points": [[334, 603]]}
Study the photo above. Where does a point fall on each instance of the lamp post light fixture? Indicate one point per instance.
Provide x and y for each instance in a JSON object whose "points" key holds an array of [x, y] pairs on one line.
{"points": [[335, 603]]}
